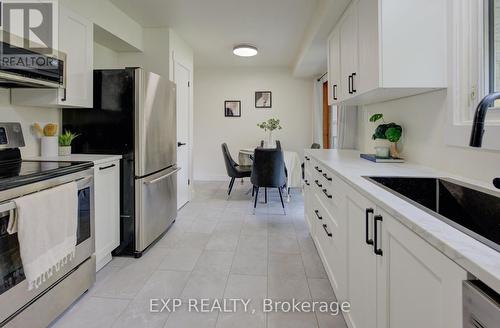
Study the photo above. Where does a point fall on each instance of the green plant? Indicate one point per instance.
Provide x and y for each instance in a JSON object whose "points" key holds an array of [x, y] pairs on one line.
{"points": [[271, 125], [389, 131], [67, 138]]}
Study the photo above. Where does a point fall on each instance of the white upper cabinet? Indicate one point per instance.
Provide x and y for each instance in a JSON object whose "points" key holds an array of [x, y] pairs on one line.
{"points": [[76, 40], [334, 85], [391, 49]]}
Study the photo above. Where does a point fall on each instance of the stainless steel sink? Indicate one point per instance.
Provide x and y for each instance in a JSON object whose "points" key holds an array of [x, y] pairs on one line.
{"points": [[474, 211]]}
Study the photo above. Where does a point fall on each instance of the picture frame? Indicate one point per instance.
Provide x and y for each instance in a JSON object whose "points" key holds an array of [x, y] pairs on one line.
{"points": [[263, 99], [232, 108]]}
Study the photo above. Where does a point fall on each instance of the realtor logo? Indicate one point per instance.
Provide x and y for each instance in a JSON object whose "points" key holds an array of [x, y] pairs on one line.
{"points": [[27, 25]]}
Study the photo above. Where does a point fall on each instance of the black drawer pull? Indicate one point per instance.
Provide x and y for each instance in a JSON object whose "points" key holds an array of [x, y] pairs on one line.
{"points": [[318, 169], [335, 92], [107, 167], [376, 250], [328, 233], [327, 177], [307, 158], [317, 215], [326, 194], [367, 218], [318, 184], [307, 182]]}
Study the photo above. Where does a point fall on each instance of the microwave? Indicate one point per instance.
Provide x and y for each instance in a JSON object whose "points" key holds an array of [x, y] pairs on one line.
{"points": [[26, 68]]}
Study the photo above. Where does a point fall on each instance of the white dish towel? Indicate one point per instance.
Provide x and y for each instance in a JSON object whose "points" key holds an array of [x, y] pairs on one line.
{"points": [[46, 224]]}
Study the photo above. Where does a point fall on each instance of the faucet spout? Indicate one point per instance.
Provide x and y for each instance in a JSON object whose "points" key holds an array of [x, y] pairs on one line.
{"points": [[476, 137]]}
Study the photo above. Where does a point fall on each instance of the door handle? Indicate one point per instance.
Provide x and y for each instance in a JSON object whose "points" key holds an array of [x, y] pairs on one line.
{"points": [[317, 215], [107, 167], [162, 177], [65, 93], [367, 223], [349, 80], [376, 250], [179, 144], [335, 92], [352, 81], [326, 194], [328, 233]]}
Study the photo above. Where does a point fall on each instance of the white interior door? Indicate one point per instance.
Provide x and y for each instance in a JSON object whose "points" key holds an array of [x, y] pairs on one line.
{"points": [[181, 77]]}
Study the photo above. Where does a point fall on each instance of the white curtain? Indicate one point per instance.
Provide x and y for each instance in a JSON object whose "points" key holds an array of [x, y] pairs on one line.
{"points": [[347, 126]]}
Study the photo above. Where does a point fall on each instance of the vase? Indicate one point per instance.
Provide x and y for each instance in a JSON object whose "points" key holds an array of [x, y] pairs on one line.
{"points": [[382, 152], [64, 150], [48, 146], [394, 150], [270, 143]]}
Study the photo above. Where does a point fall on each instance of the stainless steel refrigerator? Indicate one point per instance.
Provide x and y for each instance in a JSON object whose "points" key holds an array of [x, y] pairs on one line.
{"points": [[134, 115]]}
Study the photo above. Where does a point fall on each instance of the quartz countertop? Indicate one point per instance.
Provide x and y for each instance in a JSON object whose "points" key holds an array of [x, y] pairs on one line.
{"points": [[96, 159], [478, 259]]}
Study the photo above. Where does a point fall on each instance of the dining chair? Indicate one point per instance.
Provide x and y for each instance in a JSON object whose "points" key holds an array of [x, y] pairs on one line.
{"points": [[268, 171], [234, 170]]}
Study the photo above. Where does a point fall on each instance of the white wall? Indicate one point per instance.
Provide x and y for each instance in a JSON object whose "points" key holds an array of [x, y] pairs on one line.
{"points": [[105, 58], [292, 103], [424, 120], [27, 116]]}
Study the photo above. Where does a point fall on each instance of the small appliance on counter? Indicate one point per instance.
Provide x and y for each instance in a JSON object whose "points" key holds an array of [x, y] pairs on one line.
{"points": [[19, 306], [134, 115]]}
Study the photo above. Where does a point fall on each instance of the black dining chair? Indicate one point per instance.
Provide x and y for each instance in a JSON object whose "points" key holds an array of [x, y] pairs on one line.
{"points": [[268, 171], [234, 170], [313, 146]]}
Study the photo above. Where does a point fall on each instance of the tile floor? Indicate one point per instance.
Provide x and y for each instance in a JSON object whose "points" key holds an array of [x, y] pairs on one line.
{"points": [[217, 248]]}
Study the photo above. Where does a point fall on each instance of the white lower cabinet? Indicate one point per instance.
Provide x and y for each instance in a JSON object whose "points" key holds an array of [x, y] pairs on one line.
{"points": [[107, 210], [392, 277]]}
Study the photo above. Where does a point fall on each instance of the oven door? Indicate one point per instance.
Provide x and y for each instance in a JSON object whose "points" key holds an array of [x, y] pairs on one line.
{"points": [[14, 294]]}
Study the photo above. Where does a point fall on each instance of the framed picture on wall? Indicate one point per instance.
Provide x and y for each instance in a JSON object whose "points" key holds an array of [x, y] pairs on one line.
{"points": [[263, 99], [232, 108]]}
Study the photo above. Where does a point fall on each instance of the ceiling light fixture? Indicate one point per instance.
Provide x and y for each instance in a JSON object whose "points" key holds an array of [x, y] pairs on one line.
{"points": [[245, 50]]}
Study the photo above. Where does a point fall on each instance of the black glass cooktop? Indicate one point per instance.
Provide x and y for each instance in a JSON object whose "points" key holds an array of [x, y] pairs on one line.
{"points": [[14, 174]]}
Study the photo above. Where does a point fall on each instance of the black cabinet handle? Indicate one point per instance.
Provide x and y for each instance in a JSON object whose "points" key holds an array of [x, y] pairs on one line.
{"points": [[317, 215], [318, 169], [307, 158], [367, 218], [352, 81], [318, 184], [179, 144], [107, 167], [328, 233], [64, 94], [376, 250], [327, 177], [335, 92], [349, 81], [326, 194], [307, 182]]}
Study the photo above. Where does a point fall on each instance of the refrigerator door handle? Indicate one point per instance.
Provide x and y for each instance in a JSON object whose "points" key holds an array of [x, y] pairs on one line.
{"points": [[162, 177]]}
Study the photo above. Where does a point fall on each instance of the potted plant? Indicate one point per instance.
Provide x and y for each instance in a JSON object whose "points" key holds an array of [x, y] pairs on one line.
{"points": [[65, 141], [387, 131], [269, 126]]}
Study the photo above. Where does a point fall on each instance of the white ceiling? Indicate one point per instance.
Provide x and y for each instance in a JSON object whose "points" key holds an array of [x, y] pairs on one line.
{"points": [[278, 28]]}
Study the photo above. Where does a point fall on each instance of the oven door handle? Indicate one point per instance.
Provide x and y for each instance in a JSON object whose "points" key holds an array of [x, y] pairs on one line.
{"points": [[162, 177]]}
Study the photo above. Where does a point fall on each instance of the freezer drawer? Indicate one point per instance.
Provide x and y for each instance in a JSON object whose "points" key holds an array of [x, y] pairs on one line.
{"points": [[156, 206]]}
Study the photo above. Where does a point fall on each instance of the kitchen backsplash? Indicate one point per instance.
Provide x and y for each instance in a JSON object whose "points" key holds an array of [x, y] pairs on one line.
{"points": [[27, 116]]}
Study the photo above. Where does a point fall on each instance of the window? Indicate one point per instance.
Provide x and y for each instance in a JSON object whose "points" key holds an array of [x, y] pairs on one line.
{"points": [[474, 68]]}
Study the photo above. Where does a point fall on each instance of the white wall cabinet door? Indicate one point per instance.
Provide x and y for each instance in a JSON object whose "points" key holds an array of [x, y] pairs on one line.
{"points": [[76, 40], [361, 264], [349, 52], [334, 77], [368, 46], [417, 285], [107, 210]]}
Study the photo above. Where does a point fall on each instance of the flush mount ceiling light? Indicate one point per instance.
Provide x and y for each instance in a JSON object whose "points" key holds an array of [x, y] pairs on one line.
{"points": [[245, 50]]}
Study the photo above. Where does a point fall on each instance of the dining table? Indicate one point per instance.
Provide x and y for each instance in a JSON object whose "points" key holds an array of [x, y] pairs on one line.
{"points": [[292, 164]]}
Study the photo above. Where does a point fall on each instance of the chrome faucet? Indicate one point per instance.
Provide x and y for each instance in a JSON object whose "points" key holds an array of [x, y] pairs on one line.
{"points": [[476, 137]]}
